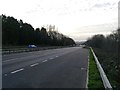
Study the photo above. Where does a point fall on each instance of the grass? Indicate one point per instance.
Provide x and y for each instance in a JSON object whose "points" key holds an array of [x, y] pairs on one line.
{"points": [[110, 62], [95, 80]]}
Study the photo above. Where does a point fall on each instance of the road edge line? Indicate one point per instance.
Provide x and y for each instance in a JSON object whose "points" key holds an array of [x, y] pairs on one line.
{"points": [[87, 73]]}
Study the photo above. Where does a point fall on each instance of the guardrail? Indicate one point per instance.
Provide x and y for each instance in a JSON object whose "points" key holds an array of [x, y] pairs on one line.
{"points": [[105, 80], [19, 50]]}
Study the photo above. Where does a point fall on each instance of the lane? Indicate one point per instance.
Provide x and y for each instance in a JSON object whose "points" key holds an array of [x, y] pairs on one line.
{"points": [[66, 71], [13, 62], [35, 53]]}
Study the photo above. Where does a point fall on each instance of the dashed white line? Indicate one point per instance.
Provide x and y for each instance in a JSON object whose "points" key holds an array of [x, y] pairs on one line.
{"points": [[83, 68], [34, 64], [5, 74], [51, 58], [45, 61], [17, 70], [56, 56]]}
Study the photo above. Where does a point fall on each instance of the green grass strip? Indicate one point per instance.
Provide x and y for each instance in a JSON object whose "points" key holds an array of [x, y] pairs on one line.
{"points": [[95, 80]]}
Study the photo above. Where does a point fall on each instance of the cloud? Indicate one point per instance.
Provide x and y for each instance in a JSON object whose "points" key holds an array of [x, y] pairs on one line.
{"points": [[112, 4], [67, 15], [102, 5], [88, 31]]}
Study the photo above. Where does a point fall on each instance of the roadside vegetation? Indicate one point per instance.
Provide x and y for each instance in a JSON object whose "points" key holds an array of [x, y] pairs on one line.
{"points": [[17, 33], [107, 50], [109, 63], [94, 80]]}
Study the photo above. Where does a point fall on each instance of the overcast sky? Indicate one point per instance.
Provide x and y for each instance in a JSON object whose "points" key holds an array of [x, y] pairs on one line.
{"points": [[78, 19]]}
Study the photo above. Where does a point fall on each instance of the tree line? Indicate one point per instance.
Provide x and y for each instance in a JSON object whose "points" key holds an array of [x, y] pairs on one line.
{"points": [[110, 43], [107, 50], [16, 32]]}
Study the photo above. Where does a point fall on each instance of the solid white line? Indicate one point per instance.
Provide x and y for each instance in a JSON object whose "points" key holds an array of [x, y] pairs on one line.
{"points": [[45, 61], [17, 70], [87, 80], [8, 60], [34, 64]]}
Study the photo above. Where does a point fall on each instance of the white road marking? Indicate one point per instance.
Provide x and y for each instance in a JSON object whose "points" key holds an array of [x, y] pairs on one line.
{"points": [[34, 64], [56, 56], [45, 61], [8, 60], [87, 73], [88, 57], [83, 68], [5, 74], [51, 58], [4, 55], [17, 70]]}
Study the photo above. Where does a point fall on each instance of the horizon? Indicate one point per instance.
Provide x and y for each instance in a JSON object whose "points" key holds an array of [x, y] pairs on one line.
{"points": [[77, 19]]}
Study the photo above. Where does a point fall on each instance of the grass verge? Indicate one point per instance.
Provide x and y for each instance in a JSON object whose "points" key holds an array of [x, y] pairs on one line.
{"points": [[95, 80], [110, 62]]}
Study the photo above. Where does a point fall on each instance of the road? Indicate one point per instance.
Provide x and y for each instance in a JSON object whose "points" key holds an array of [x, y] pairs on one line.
{"points": [[55, 68]]}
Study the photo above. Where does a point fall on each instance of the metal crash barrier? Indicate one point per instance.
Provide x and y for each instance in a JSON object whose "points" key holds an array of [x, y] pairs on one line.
{"points": [[105, 80]]}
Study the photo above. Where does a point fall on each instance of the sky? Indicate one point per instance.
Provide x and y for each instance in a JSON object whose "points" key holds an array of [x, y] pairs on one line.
{"points": [[78, 19]]}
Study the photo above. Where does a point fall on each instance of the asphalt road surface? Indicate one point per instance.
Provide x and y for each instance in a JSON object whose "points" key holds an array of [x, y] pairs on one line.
{"points": [[55, 68]]}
